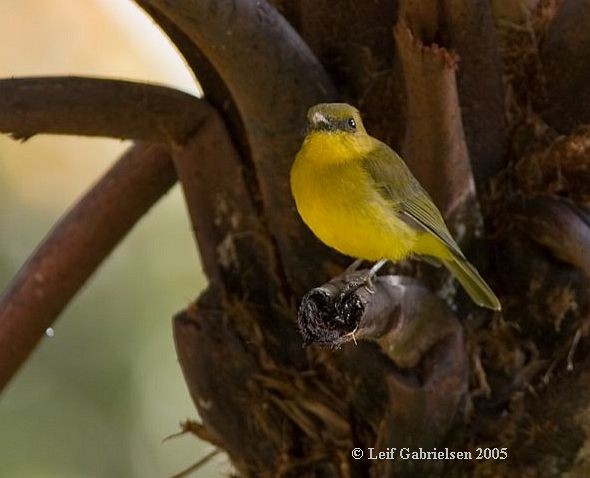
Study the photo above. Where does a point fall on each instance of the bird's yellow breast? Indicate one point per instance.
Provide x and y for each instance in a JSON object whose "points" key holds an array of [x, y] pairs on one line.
{"points": [[340, 203]]}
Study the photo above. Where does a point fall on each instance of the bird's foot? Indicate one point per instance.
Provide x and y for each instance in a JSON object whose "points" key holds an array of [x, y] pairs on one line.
{"points": [[352, 284], [350, 335], [365, 280], [368, 283], [372, 273]]}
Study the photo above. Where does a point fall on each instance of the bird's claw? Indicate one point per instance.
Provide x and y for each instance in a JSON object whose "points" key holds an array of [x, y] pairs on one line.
{"points": [[350, 335], [368, 283]]}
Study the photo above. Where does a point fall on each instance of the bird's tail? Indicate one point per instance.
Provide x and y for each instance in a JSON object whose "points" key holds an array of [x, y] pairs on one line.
{"points": [[472, 282]]}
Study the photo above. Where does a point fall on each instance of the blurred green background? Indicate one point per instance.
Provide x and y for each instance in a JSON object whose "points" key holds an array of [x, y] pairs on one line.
{"points": [[97, 398]]}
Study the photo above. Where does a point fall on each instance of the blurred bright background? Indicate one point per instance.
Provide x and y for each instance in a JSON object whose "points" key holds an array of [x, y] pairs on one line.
{"points": [[97, 398]]}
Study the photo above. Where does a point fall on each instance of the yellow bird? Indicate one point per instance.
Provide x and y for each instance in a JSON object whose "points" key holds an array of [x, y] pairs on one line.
{"points": [[359, 197]]}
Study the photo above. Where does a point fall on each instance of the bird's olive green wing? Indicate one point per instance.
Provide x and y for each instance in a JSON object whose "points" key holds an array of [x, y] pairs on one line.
{"points": [[397, 184]]}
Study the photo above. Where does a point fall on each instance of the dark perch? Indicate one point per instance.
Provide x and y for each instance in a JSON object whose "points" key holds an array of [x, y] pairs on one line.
{"points": [[397, 312], [345, 310]]}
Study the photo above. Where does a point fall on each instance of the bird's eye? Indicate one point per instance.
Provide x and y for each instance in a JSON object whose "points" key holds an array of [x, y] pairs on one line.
{"points": [[352, 123]]}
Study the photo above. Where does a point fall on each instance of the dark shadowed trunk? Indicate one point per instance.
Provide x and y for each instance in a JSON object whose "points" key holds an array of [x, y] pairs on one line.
{"points": [[490, 106]]}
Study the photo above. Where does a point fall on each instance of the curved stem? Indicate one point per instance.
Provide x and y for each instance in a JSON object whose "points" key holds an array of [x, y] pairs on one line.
{"points": [[98, 107], [213, 86], [75, 247], [239, 38]]}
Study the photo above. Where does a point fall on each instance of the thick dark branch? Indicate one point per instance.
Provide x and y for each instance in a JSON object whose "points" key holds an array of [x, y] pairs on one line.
{"points": [[98, 107], [242, 37], [445, 98], [435, 147], [397, 312], [75, 247]]}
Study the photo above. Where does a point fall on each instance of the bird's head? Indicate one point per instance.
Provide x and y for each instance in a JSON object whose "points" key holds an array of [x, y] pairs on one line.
{"points": [[334, 118]]}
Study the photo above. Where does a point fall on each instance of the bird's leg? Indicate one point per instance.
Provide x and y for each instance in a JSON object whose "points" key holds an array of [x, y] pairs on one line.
{"points": [[354, 266], [361, 279], [372, 272]]}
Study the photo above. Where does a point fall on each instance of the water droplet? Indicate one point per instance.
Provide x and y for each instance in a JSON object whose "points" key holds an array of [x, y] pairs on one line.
{"points": [[50, 332]]}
